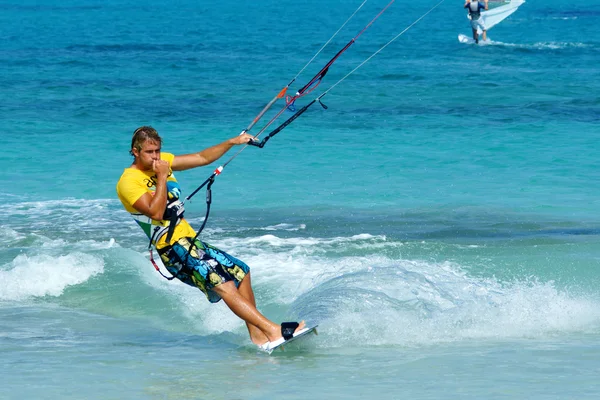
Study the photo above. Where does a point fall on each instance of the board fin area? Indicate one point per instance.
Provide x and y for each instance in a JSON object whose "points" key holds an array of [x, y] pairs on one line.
{"points": [[280, 344]]}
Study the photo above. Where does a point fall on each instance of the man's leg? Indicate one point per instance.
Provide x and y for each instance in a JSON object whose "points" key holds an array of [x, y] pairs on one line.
{"points": [[246, 291], [484, 35], [245, 309], [475, 35]]}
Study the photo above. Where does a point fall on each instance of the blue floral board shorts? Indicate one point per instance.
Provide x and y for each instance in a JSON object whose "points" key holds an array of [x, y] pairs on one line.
{"points": [[204, 266]]}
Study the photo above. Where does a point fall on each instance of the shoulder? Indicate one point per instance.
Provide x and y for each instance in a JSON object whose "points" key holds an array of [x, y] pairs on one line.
{"points": [[168, 157], [128, 173], [128, 177]]}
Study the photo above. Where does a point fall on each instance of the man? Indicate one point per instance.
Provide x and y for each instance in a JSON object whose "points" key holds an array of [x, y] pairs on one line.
{"points": [[474, 7], [150, 193]]}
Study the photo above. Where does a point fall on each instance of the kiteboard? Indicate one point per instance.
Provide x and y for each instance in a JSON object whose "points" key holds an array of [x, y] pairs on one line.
{"points": [[270, 347], [469, 40]]}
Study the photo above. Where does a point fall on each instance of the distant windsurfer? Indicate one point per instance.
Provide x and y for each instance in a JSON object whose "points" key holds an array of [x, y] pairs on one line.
{"points": [[474, 8]]}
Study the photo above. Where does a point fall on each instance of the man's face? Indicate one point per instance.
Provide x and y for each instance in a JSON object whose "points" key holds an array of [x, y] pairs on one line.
{"points": [[145, 157]]}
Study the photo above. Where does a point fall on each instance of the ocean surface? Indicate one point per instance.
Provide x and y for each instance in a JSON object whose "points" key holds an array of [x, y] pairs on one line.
{"points": [[439, 220]]}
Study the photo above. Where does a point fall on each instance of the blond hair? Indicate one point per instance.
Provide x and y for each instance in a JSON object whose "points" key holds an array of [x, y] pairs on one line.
{"points": [[141, 135]]}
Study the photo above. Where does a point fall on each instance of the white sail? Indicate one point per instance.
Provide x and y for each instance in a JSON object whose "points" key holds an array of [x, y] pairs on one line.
{"points": [[495, 15]]}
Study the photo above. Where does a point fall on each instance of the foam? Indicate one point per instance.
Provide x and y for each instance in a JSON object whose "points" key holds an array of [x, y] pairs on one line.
{"points": [[349, 283], [284, 227], [412, 303], [27, 277], [382, 300]]}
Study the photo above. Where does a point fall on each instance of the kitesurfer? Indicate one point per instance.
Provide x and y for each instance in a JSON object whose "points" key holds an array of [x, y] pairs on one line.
{"points": [[150, 193], [474, 8]]}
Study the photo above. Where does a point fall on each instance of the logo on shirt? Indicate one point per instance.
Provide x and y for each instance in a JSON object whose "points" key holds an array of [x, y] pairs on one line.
{"points": [[151, 182]]}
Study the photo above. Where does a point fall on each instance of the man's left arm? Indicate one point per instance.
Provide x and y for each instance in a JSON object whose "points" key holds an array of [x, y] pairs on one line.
{"points": [[207, 156]]}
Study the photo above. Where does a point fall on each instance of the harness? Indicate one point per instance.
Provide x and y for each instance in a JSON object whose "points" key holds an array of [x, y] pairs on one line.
{"points": [[474, 9], [173, 214]]}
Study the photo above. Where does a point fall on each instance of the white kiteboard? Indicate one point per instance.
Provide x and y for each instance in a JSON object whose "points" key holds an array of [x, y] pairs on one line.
{"points": [[280, 344], [469, 40]]}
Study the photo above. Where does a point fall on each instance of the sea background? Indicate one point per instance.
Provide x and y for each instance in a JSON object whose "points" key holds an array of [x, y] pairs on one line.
{"points": [[439, 221]]}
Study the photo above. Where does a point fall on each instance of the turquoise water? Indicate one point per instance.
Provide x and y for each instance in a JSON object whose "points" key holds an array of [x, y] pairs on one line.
{"points": [[438, 221]]}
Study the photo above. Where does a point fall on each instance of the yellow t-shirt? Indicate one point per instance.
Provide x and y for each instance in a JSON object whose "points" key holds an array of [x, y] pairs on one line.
{"points": [[133, 184]]}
